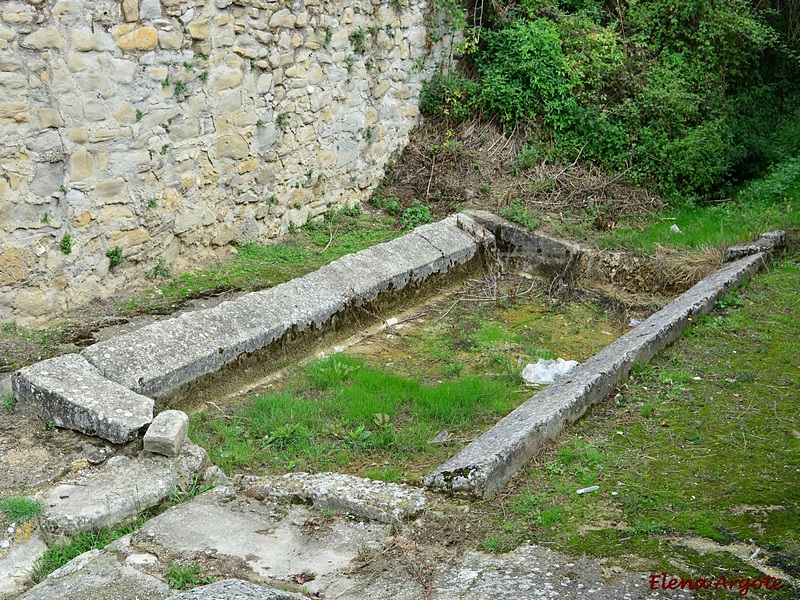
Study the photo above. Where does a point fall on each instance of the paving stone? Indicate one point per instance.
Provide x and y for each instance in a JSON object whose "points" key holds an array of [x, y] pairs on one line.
{"points": [[235, 589], [103, 497], [167, 433], [71, 393], [98, 575], [268, 540]]}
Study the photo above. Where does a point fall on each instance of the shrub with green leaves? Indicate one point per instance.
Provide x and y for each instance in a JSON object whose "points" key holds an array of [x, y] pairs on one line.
{"points": [[684, 97], [415, 215]]}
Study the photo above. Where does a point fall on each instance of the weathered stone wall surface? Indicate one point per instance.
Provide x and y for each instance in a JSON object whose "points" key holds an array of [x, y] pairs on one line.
{"points": [[172, 128]]}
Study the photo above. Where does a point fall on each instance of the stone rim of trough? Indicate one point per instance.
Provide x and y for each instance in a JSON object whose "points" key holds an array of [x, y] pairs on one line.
{"points": [[486, 464]]}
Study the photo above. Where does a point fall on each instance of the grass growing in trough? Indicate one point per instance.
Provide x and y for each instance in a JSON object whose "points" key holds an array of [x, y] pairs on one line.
{"points": [[341, 414]]}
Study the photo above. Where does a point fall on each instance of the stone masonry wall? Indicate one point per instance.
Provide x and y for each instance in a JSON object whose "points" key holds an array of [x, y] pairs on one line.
{"points": [[173, 128]]}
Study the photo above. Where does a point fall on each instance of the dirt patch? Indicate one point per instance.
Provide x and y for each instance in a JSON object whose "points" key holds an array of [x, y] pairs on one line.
{"points": [[477, 164]]}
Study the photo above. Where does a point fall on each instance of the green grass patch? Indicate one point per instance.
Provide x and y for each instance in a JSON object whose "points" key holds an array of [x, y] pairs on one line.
{"points": [[342, 414], [181, 577], [18, 509], [61, 553], [717, 226], [702, 443], [256, 267]]}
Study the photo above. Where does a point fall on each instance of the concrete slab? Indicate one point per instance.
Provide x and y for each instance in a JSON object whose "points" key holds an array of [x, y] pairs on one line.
{"points": [[490, 461], [98, 575], [71, 393], [528, 250], [103, 497], [159, 359], [365, 498], [234, 589], [772, 241], [274, 542]]}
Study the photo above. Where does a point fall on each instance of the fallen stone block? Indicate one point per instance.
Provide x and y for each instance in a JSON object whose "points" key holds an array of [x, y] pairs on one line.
{"points": [[18, 559], [235, 589], [366, 498], [167, 433], [490, 461], [103, 497], [71, 393], [97, 574]]}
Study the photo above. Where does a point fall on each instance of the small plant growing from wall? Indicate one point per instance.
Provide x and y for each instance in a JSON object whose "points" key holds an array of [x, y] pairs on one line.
{"points": [[115, 256], [66, 243], [62, 188], [162, 269], [282, 122], [152, 203], [328, 34], [359, 40]]}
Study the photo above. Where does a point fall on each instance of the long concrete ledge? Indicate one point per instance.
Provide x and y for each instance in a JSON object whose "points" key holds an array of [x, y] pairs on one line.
{"points": [[491, 460], [107, 390], [159, 359]]}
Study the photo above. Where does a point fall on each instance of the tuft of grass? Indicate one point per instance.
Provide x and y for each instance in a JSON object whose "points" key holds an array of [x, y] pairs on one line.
{"points": [[518, 213], [257, 267], [8, 401], [181, 577], [339, 411], [18, 509], [61, 553]]}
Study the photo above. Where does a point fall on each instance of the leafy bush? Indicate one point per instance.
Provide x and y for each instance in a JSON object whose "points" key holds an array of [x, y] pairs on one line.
{"points": [[415, 215], [686, 97]]}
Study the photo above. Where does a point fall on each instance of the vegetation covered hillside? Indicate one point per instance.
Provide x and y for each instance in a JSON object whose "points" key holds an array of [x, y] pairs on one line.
{"points": [[685, 98]]}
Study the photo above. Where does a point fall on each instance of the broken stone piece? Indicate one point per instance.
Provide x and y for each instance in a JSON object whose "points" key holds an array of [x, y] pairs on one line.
{"points": [[167, 433], [69, 392]]}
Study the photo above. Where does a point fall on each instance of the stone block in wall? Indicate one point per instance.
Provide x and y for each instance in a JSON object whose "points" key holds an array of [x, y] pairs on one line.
{"points": [[130, 10], [129, 37], [81, 165], [48, 178], [15, 265], [170, 40], [199, 29], [14, 112], [44, 38], [150, 9], [49, 117]]}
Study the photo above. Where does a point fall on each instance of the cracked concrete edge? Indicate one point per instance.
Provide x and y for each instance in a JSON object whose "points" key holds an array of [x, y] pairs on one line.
{"points": [[365, 498], [769, 243], [159, 359], [529, 250], [492, 459]]}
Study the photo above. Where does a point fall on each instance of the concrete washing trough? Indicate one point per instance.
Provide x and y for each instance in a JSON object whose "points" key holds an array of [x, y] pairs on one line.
{"points": [[109, 389]]}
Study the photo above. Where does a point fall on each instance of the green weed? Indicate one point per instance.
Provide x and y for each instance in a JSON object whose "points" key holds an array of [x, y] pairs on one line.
{"points": [[66, 243], [18, 509], [518, 213], [115, 256], [9, 402], [181, 577], [415, 215]]}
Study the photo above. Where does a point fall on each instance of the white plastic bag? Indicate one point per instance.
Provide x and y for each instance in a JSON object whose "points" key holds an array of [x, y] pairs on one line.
{"points": [[546, 371]]}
